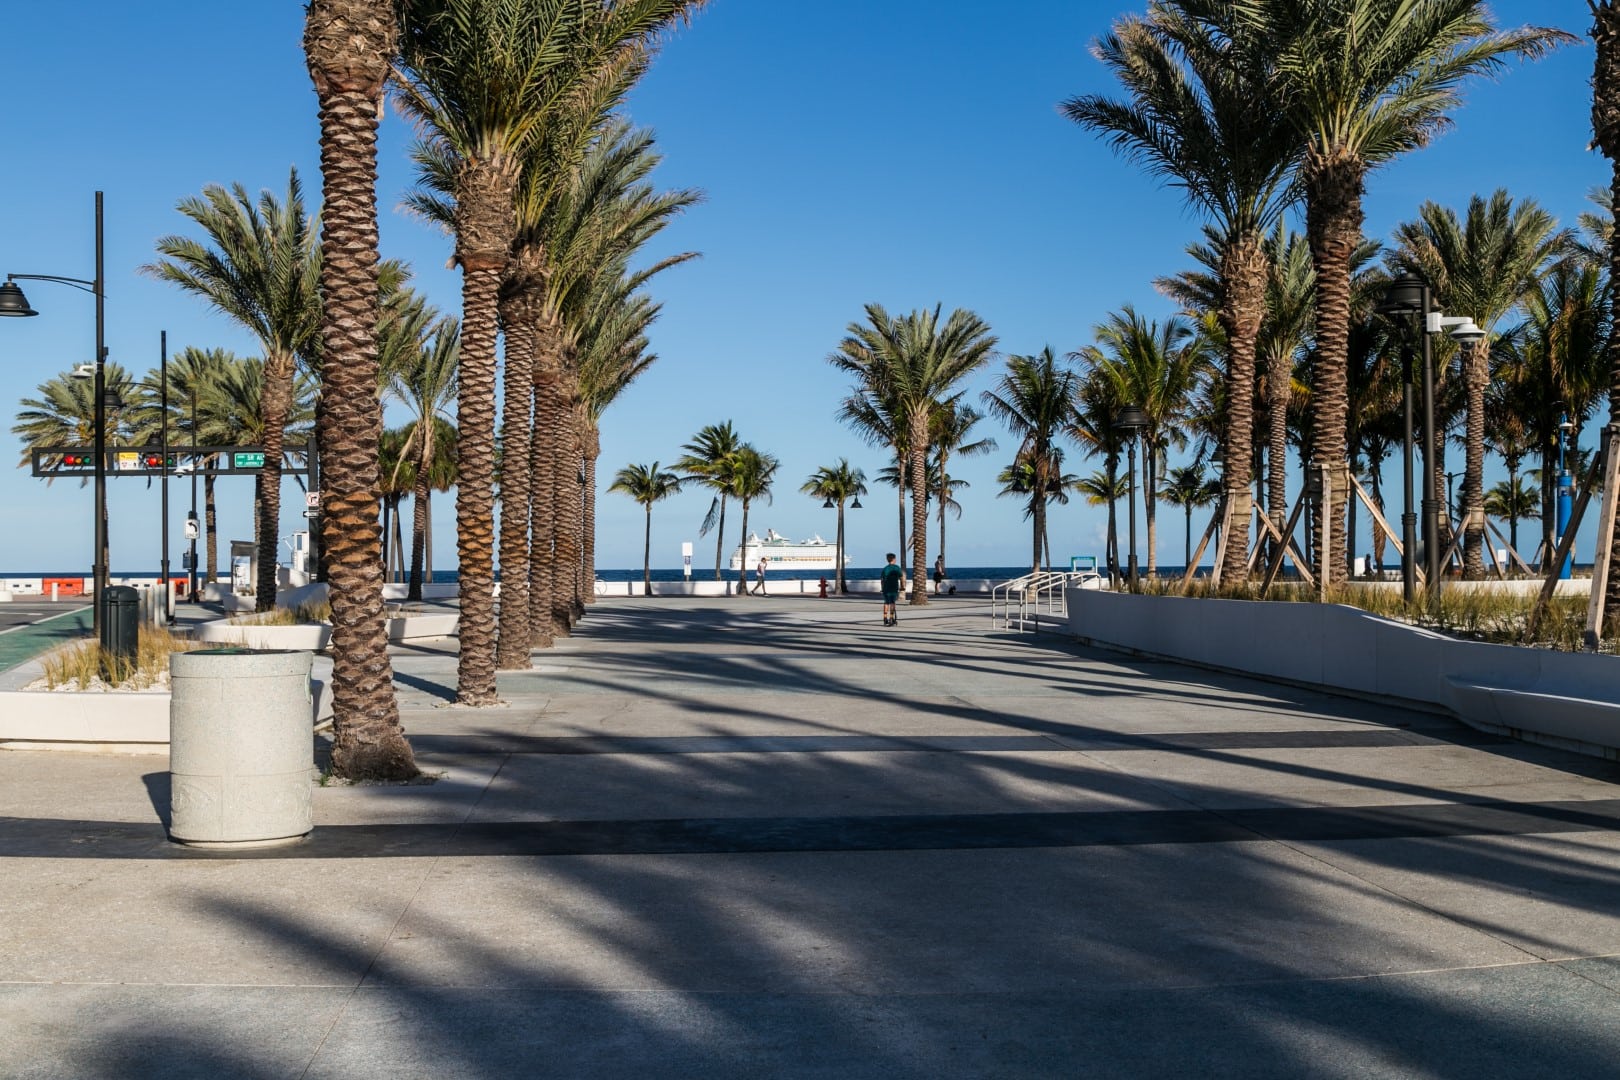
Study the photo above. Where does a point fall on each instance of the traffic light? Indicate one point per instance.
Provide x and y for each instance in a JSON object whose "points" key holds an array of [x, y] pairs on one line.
{"points": [[155, 461], [76, 461]]}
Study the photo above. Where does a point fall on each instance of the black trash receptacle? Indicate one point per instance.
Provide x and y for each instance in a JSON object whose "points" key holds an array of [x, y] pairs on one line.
{"points": [[120, 623]]}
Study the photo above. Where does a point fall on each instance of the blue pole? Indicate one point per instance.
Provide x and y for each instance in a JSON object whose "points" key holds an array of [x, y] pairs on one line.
{"points": [[1566, 502]]}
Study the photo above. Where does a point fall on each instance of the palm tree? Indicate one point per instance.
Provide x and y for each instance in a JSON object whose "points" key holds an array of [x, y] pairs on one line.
{"points": [[1203, 111], [193, 375], [837, 484], [646, 484], [1034, 397], [749, 477], [1364, 81], [1097, 403], [910, 365], [349, 46], [1483, 266], [423, 379], [1189, 488], [1040, 484], [261, 268], [1511, 500], [396, 479], [949, 432], [708, 461], [1154, 367], [1606, 129]]}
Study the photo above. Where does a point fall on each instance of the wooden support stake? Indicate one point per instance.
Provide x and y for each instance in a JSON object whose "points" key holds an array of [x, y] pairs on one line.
{"points": [[1550, 586], [1377, 516], [1214, 523], [1513, 553], [1275, 566]]}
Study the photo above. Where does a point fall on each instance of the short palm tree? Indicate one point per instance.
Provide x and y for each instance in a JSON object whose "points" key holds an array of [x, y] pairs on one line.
{"points": [[1034, 397], [646, 484], [707, 461], [1364, 82], [193, 373], [838, 484], [911, 364], [950, 433], [1190, 488], [1510, 501], [1039, 485], [749, 477], [260, 267], [1203, 111], [1097, 404], [1482, 266], [423, 378]]}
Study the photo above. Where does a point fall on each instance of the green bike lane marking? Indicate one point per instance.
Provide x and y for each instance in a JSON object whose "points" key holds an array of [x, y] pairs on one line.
{"points": [[26, 642]]}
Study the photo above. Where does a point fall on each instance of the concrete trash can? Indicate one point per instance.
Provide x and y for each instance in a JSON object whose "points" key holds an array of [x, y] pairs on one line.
{"points": [[241, 746]]}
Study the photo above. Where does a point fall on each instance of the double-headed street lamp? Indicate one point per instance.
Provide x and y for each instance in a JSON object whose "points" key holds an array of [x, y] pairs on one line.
{"points": [[1409, 295], [14, 303], [1130, 422]]}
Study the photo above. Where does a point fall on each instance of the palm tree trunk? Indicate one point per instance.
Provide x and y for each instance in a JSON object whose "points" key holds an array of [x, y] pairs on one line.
{"points": [[1112, 466], [943, 494], [593, 450], [1606, 125], [484, 229], [349, 44], [719, 537], [1279, 392], [646, 556], [1477, 376], [1037, 518], [419, 526], [517, 428], [542, 497], [1186, 560], [1243, 271], [211, 525], [1333, 227], [742, 548], [571, 504], [1150, 503], [387, 509], [275, 399], [919, 508]]}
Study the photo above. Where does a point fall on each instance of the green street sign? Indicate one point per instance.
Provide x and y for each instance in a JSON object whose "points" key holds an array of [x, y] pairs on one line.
{"points": [[247, 461]]}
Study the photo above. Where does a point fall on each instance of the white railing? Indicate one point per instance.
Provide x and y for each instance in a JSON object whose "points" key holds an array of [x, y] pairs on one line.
{"points": [[1020, 603]]}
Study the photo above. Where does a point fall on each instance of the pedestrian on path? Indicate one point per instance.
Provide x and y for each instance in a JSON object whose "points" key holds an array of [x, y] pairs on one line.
{"points": [[939, 574], [759, 577], [891, 591]]}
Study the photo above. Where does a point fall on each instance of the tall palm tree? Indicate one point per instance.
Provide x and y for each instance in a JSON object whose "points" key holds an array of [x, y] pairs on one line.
{"points": [[838, 483], [1364, 82], [910, 364], [1097, 403], [193, 374], [1039, 484], [349, 46], [1606, 131], [261, 268], [1188, 487], [646, 484], [1154, 367], [872, 416], [749, 477], [708, 461], [1203, 111], [1483, 267], [950, 433], [1034, 398]]}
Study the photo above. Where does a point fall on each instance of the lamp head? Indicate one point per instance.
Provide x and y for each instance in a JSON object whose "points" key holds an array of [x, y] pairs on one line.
{"points": [[1468, 333], [828, 505], [856, 505], [1403, 296], [83, 371], [13, 302], [1130, 420]]}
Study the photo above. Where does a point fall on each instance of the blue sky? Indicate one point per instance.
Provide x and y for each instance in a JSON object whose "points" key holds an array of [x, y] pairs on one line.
{"points": [[908, 152]]}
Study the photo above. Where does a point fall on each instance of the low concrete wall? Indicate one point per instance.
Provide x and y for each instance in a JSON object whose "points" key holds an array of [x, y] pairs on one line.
{"points": [[774, 587], [1570, 699], [305, 637]]}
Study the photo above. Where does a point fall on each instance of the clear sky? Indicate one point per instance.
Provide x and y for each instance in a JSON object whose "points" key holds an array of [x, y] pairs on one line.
{"points": [[908, 152]]}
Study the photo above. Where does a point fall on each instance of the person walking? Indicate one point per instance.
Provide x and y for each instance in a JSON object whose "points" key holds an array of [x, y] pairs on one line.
{"points": [[890, 583], [939, 574], [759, 577]]}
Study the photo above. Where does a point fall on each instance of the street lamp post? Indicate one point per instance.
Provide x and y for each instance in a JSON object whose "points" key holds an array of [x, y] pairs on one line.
{"points": [[1410, 295], [163, 453], [1131, 420], [1566, 495], [14, 303]]}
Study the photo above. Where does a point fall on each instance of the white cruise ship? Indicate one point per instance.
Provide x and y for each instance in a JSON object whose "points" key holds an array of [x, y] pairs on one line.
{"points": [[780, 553]]}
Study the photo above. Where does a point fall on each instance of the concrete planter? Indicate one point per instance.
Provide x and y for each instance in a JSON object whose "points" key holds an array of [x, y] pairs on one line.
{"points": [[422, 627], [1571, 699], [311, 637], [93, 721], [240, 748]]}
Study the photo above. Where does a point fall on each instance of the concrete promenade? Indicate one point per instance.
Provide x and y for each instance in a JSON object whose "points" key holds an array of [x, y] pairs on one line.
{"points": [[727, 838]]}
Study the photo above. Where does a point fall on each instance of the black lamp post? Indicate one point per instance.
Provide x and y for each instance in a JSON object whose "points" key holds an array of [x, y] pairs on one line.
{"points": [[1409, 295], [14, 303], [1130, 421]]}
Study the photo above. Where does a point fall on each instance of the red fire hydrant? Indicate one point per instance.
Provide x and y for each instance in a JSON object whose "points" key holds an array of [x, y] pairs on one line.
{"points": [[824, 588]]}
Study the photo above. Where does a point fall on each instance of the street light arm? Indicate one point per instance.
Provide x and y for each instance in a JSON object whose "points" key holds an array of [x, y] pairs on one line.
{"points": [[1438, 322], [78, 283]]}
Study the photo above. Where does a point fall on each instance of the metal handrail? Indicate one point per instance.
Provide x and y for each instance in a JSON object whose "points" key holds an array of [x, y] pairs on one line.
{"points": [[1035, 594]]}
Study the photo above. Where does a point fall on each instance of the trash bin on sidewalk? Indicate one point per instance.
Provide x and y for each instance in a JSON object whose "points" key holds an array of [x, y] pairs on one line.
{"points": [[241, 746], [120, 624]]}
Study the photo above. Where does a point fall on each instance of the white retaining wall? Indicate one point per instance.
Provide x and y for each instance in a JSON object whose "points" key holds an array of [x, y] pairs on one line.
{"points": [[1570, 699], [783, 587]]}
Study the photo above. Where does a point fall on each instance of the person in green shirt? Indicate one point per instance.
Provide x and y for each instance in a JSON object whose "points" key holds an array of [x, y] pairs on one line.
{"points": [[891, 591]]}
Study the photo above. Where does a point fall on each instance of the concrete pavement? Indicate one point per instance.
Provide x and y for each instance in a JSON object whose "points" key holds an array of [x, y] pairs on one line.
{"points": [[753, 838]]}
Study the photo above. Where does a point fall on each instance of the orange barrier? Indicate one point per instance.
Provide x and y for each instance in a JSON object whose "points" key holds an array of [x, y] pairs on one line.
{"points": [[65, 586]]}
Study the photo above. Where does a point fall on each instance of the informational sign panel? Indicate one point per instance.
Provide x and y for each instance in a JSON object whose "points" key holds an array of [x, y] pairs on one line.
{"points": [[686, 558], [248, 460]]}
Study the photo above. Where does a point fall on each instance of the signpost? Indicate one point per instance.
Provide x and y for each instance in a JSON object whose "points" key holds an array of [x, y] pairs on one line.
{"points": [[686, 559]]}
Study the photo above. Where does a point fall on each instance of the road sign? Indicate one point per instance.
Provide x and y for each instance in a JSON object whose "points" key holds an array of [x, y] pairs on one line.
{"points": [[312, 513], [312, 499], [126, 460], [248, 460]]}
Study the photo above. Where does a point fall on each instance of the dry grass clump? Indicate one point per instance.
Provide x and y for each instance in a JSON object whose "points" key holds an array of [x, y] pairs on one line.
{"points": [[1488, 615], [83, 667], [311, 611]]}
